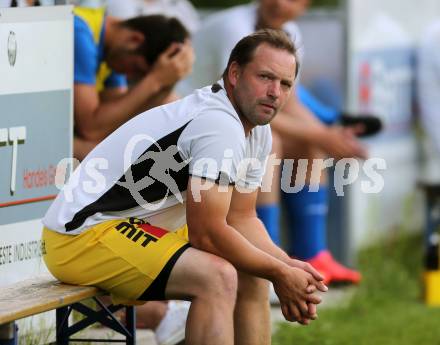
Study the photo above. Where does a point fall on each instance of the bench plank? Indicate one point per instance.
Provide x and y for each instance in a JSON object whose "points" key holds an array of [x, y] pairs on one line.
{"points": [[40, 294]]}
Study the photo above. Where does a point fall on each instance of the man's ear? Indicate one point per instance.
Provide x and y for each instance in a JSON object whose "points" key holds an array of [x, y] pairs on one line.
{"points": [[136, 38], [234, 73]]}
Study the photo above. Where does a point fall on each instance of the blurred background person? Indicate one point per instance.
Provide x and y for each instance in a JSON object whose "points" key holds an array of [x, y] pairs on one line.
{"points": [[180, 9], [428, 93], [153, 50], [25, 3]]}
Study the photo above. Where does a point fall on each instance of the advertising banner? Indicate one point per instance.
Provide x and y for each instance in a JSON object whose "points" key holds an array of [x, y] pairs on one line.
{"points": [[382, 42], [36, 78]]}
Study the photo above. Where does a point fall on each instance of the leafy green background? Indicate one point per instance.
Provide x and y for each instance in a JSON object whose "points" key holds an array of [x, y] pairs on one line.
{"points": [[228, 3]]}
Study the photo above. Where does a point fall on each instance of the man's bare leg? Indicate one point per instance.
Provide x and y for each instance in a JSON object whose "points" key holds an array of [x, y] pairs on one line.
{"points": [[296, 150], [210, 283], [150, 314], [252, 312], [270, 191], [268, 201]]}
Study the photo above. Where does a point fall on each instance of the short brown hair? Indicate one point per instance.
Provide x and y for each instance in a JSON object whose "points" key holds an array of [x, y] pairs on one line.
{"points": [[243, 52], [159, 32]]}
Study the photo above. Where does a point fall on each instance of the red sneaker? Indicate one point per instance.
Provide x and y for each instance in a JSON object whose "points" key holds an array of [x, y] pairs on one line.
{"points": [[332, 270]]}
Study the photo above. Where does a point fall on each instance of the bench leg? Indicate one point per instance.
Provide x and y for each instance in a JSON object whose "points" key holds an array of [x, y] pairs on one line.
{"points": [[130, 321], [62, 325], [104, 315], [8, 334]]}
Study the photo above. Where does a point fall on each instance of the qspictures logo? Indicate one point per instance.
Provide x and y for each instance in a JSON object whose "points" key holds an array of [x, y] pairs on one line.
{"points": [[162, 162]]}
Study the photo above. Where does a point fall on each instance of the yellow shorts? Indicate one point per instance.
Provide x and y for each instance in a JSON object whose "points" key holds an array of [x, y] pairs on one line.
{"points": [[128, 258]]}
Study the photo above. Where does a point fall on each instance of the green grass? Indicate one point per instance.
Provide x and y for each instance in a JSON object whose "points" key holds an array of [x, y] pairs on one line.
{"points": [[386, 309]]}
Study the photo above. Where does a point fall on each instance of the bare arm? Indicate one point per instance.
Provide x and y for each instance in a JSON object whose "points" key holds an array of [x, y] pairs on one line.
{"points": [[97, 117], [209, 231], [243, 217], [296, 121]]}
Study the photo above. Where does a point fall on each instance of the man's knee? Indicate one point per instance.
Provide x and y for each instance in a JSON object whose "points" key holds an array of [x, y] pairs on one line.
{"points": [[304, 151], [222, 278], [198, 274], [252, 288], [293, 148]]}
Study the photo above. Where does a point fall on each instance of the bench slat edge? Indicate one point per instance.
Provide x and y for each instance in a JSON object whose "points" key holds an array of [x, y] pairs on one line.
{"points": [[37, 295]]}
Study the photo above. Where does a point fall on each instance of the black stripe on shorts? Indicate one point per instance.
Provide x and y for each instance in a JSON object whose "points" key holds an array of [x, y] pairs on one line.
{"points": [[156, 291]]}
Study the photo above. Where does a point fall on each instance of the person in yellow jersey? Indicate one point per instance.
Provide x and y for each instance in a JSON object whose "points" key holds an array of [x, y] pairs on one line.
{"points": [[153, 50]]}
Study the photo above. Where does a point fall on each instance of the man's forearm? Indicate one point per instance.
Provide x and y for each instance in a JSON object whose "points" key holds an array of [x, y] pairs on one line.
{"points": [[166, 95], [111, 114], [296, 121], [253, 230], [230, 244], [290, 126]]}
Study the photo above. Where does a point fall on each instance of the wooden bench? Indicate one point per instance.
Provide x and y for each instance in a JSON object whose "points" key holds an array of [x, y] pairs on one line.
{"points": [[41, 294]]}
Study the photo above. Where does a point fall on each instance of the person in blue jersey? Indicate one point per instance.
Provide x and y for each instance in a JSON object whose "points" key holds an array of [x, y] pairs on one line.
{"points": [[153, 50]]}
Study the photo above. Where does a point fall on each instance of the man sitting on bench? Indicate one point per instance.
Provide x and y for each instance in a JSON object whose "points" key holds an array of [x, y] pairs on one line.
{"points": [[107, 226], [152, 50]]}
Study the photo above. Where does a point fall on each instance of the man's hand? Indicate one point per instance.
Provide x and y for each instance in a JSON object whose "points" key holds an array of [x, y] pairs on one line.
{"points": [[339, 142], [318, 277], [173, 64], [296, 300], [317, 285]]}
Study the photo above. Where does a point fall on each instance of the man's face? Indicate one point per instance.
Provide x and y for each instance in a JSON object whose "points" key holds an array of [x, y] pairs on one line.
{"points": [[262, 87], [275, 13], [127, 62], [123, 57]]}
